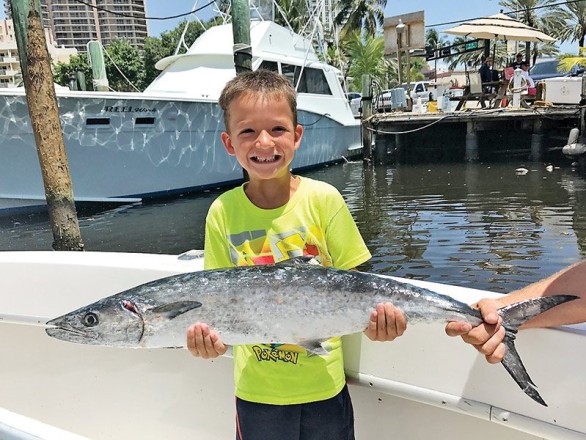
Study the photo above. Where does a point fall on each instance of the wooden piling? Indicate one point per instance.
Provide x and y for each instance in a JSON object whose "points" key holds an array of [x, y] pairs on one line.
{"points": [[44, 115], [537, 141], [240, 12], [471, 142], [366, 114]]}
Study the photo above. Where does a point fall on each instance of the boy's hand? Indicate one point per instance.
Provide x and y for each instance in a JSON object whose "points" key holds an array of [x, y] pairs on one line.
{"points": [[488, 336], [203, 342], [386, 323]]}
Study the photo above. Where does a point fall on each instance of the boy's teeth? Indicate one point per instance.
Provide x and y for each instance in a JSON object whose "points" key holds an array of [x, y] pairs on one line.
{"points": [[265, 159]]}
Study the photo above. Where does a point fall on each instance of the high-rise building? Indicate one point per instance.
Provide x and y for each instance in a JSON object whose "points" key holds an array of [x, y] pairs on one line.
{"points": [[74, 23]]}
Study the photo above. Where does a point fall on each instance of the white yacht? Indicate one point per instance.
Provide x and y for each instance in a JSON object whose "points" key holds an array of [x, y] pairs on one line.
{"points": [[166, 140]]}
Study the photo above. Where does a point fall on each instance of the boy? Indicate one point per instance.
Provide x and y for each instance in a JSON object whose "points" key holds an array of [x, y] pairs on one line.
{"points": [[275, 216]]}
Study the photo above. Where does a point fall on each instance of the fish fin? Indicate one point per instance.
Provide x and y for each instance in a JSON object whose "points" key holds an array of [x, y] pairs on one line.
{"points": [[316, 347], [513, 316], [301, 261], [173, 310]]}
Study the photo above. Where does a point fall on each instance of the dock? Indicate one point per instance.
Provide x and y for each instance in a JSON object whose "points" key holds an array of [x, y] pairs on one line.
{"points": [[534, 134]]}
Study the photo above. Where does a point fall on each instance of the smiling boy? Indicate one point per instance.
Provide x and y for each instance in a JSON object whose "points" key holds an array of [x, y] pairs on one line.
{"points": [[281, 392]]}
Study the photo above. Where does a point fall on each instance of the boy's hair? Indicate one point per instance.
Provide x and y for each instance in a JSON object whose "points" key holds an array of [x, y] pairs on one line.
{"points": [[262, 83]]}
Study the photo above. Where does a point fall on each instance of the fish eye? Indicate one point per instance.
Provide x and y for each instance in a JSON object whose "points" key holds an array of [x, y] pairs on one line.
{"points": [[90, 319]]}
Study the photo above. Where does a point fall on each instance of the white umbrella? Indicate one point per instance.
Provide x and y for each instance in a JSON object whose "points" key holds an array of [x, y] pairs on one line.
{"points": [[499, 27]]}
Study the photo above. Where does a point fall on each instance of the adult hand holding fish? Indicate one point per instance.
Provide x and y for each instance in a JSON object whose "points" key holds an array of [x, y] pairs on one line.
{"points": [[489, 336]]}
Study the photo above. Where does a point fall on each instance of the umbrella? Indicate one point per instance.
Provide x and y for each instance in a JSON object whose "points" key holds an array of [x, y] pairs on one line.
{"points": [[500, 27]]}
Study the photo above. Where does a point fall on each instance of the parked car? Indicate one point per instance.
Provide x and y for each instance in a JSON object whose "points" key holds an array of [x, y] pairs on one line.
{"points": [[356, 106], [545, 69], [353, 95], [420, 89], [355, 100], [551, 69]]}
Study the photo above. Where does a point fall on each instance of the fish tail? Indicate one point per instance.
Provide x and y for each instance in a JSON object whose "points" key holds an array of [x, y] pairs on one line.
{"points": [[513, 316]]}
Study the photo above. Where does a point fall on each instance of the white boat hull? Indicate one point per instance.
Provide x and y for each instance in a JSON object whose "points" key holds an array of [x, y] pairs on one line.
{"points": [[423, 385], [131, 147]]}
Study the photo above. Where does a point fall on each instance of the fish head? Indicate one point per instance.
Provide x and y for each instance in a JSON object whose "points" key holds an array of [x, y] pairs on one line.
{"points": [[113, 321]]}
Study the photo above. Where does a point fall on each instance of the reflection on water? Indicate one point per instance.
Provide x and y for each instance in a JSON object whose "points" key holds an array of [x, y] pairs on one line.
{"points": [[480, 225]]}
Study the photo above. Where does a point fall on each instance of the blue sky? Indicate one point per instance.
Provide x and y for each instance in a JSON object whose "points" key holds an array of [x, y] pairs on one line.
{"points": [[436, 12]]}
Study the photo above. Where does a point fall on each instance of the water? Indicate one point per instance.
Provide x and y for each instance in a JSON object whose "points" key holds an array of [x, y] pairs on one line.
{"points": [[476, 225]]}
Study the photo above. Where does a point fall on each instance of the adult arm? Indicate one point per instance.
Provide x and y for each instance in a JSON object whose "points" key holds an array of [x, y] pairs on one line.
{"points": [[488, 336]]}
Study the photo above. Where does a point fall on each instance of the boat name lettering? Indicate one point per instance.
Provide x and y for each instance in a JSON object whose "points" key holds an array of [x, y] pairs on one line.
{"points": [[128, 109]]}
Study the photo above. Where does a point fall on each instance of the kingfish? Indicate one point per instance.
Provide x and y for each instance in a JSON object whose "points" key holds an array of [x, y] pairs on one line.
{"points": [[292, 302]]}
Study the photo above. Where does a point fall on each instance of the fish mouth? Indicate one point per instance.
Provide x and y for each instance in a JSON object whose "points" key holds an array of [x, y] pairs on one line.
{"points": [[67, 332]]}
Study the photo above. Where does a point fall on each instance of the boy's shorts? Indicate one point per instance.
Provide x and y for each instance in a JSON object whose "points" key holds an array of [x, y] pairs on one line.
{"points": [[331, 419]]}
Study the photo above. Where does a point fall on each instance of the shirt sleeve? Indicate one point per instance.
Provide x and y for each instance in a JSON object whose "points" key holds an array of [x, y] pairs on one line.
{"points": [[345, 244], [216, 249]]}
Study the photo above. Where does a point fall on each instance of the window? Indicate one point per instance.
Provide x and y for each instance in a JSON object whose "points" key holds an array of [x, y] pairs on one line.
{"points": [[312, 80], [269, 65]]}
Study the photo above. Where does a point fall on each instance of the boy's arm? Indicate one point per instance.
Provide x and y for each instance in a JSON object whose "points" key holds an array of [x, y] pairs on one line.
{"points": [[487, 337], [201, 340]]}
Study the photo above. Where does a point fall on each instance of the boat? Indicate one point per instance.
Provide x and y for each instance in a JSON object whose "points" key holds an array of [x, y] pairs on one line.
{"points": [[125, 147], [422, 385]]}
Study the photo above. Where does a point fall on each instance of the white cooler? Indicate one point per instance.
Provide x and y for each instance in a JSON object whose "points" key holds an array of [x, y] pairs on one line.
{"points": [[563, 90]]}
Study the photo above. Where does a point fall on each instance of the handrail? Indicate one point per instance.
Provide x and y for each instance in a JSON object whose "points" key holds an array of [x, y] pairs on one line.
{"points": [[464, 406]]}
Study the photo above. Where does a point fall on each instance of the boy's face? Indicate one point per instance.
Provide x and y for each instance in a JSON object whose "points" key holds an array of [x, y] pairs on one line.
{"points": [[262, 136]]}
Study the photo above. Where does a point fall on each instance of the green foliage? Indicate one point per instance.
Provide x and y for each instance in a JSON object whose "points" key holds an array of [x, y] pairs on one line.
{"points": [[124, 66], [62, 72], [360, 15], [367, 57]]}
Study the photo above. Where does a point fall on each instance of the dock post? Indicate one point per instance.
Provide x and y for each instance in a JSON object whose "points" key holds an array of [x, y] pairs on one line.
{"points": [[381, 148], [537, 141], [46, 125], [399, 147], [471, 142], [366, 114]]}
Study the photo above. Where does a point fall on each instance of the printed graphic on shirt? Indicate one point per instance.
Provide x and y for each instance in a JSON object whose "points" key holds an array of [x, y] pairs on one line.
{"points": [[277, 353], [259, 247]]}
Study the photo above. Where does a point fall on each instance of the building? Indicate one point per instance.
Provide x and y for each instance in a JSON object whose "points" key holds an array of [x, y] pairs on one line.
{"points": [[10, 74], [73, 24]]}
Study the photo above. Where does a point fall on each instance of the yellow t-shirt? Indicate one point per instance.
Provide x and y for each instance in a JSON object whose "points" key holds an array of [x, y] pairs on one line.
{"points": [[316, 221]]}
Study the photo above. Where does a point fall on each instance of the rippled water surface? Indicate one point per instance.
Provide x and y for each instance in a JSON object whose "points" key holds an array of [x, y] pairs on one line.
{"points": [[479, 225]]}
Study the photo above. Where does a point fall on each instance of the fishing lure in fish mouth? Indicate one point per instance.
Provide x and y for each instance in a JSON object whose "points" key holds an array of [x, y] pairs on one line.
{"points": [[291, 302]]}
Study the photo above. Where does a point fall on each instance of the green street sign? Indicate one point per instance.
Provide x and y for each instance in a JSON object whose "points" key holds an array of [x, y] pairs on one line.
{"points": [[471, 45]]}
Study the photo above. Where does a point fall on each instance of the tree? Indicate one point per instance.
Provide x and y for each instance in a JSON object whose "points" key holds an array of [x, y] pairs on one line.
{"points": [[367, 55], [124, 66], [544, 15], [62, 72], [575, 28], [360, 15], [295, 14], [433, 41]]}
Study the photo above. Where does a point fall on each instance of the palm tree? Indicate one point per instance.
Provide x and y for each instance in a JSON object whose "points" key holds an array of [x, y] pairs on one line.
{"points": [[434, 41], [295, 12], [575, 28], [544, 15], [360, 15], [367, 55]]}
